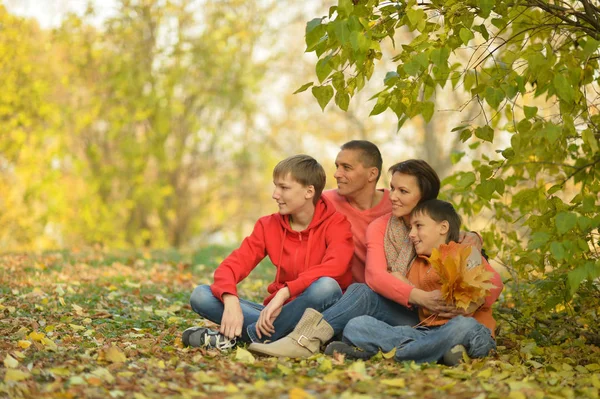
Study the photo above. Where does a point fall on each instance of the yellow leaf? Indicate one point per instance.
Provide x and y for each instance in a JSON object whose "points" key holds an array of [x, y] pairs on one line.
{"points": [[487, 373], [284, 370], [10, 362], [60, 371], [36, 336], [260, 384], [19, 354], [75, 327], [299, 393], [114, 355], [49, 344], [78, 309], [325, 366], [15, 375], [243, 356], [395, 382], [204, 378], [24, 344], [390, 354], [104, 374]]}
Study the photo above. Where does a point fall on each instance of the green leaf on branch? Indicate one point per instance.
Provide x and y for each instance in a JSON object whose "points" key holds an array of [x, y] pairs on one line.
{"points": [[345, 7], [439, 56], [342, 99], [323, 95], [589, 270], [557, 250], [304, 87], [428, 109], [530, 112], [563, 88], [565, 221], [465, 35], [466, 180], [323, 68], [538, 240], [486, 189], [485, 133]]}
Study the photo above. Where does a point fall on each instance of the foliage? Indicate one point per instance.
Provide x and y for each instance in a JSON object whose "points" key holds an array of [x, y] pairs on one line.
{"points": [[531, 67], [100, 324], [113, 134], [460, 286]]}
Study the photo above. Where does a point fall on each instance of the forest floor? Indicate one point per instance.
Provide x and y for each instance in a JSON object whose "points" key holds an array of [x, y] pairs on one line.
{"points": [[91, 324]]}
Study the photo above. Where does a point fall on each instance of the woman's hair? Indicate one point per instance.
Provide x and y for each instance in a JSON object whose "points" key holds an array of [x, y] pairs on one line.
{"points": [[427, 180], [439, 211]]}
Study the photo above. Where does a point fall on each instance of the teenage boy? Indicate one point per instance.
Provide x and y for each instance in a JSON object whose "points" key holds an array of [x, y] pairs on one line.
{"points": [[310, 244], [433, 223]]}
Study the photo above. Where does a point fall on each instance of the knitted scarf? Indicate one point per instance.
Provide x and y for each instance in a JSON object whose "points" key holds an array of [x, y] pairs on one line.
{"points": [[399, 251]]}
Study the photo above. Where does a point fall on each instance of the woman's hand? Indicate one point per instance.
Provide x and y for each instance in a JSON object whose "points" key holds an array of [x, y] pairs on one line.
{"points": [[264, 324], [453, 311], [232, 321]]}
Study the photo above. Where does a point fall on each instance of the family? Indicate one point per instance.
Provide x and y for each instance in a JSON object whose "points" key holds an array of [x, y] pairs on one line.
{"points": [[353, 269]]}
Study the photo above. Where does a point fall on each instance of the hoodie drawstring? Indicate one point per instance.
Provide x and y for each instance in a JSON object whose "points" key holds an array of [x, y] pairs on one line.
{"points": [[280, 261]]}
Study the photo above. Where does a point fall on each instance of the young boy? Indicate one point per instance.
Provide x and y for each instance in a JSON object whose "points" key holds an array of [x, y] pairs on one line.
{"points": [[433, 223], [309, 243]]}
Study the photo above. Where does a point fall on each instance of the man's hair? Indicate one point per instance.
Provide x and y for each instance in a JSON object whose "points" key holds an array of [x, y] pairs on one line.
{"points": [[439, 211], [427, 180], [369, 157], [305, 170]]}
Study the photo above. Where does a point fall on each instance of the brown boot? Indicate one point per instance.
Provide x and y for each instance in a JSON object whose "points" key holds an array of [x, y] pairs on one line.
{"points": [[304, 341]]}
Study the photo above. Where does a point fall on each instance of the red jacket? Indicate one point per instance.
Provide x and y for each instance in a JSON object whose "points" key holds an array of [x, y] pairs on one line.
{"points": [[324, 249]]}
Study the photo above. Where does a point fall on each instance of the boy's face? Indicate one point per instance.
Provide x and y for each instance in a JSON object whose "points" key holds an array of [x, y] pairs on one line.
{"points": [[291, 196], [427, 234]]}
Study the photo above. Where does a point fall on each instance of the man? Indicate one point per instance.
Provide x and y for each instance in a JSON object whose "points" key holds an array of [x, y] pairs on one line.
{"points": [[358, 168]]}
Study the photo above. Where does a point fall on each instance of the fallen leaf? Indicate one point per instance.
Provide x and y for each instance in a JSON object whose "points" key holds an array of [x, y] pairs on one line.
{"points": [[114, 355], [299, 393], [15, 375], [10, 362], [394, 382], [243, 356]]}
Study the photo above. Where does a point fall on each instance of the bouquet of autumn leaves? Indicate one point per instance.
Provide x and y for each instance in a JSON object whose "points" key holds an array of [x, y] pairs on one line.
{"points": [[461, 285]]}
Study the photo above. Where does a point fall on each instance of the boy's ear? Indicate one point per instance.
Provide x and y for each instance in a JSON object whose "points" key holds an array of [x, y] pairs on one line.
{"points": [[444, 227], [310, 192]]}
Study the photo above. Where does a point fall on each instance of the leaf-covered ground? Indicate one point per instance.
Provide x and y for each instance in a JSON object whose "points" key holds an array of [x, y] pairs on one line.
{"points": [[96, 325]]}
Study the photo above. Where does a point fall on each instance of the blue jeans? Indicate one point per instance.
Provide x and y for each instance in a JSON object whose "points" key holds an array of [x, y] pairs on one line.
{"points": [[319, 295], [361, 300], [421, 344]]}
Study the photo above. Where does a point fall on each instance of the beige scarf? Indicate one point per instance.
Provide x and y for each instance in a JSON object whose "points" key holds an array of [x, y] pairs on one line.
{"points": [[399, 251]]}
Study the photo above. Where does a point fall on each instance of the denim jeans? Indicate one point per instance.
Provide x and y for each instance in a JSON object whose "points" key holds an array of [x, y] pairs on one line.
{"points": [[319, 295], [360, 300], [421, 344]]}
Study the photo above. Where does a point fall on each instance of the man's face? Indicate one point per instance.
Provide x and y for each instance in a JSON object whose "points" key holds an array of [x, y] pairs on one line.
{"points": [[291, 196], [427, 234], [351, 175]]}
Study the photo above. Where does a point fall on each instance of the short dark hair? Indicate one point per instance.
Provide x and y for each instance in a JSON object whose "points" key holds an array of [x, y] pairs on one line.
{"points": [[439, 211], [305, 170], [427, 179], [369, 157]]}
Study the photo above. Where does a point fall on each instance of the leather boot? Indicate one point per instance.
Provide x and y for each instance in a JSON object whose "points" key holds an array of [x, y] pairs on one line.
{"points": [[304, 341]]}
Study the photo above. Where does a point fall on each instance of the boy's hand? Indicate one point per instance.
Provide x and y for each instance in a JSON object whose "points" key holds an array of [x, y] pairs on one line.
{"points": [[264, 324], [454, 311], [232, 321], [431, 300]]}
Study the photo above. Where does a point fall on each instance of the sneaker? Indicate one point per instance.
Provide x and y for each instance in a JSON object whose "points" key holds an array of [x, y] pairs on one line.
{"points": [[455, 356], [351, 352], [202, 337]]}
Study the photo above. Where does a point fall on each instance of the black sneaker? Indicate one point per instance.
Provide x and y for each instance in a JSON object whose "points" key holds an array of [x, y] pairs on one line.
{"points": [[455, 356], [351, 352], [202, 337]]}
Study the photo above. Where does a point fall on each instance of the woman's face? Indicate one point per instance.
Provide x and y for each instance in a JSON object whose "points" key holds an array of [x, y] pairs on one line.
{"points": [[404, 194]]}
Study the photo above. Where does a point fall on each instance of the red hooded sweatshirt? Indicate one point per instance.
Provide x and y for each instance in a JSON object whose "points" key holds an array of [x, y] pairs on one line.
{"points": [[324, 249]]}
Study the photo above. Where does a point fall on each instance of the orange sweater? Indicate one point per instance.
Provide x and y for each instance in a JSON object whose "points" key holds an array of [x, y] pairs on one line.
{"points": [[359, 220], [423, 276]]}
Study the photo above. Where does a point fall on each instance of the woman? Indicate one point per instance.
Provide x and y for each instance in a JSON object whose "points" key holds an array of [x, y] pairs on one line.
{"points": [[387, 295]]}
